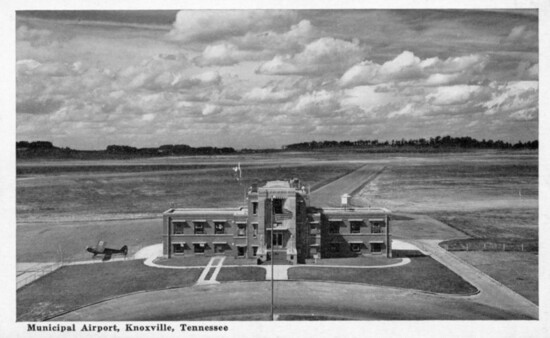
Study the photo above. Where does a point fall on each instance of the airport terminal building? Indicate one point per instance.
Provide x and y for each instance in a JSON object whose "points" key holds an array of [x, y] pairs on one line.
{"points": [[278, 219]]}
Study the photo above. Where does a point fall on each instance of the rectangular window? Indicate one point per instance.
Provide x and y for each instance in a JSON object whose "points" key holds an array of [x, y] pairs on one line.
{"points": [[334, 247], [219, 228], [334, 228], [178, 228], [376, 228], [355, 247], [376, 247], [278, 205], [255, 230], [355, 227], [241, 230], [199, 247], [254, 208], [177, 248], [254, 251], [241, 250], [314, 229], [199, 228], [219, 248]]}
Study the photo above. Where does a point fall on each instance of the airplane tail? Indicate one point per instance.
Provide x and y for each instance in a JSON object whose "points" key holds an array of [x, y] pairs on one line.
{"points": [[124, 250]]}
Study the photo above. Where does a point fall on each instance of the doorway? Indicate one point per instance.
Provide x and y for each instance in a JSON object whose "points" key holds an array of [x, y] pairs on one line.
{"points": [[277, 240]]}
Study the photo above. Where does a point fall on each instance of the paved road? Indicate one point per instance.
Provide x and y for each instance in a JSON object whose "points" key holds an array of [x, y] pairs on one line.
{"points": [[341, 300], [492, 293], [329, 195]]}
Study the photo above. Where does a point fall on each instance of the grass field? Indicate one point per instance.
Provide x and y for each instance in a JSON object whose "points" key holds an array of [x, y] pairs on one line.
{"points": [[356, 261], [73, 286], [64, 206], [54, 192], [422, 273], [456, 182], [516, 270], [61, 210], [241, 274]]}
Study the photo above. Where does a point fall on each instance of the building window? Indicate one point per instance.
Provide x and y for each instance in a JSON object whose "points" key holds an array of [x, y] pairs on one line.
{"points": [[314, 229], [241, 230], [199, 228], [178, 228], [254, 208], [355, 227], [199, 247], [376, 227], [376, 247], [355, 247], [241, 250], [254, 251], [219, 248], [278, 206], [219, 228], [334, 247], [334, 228], [255, 230], [177, 248]]}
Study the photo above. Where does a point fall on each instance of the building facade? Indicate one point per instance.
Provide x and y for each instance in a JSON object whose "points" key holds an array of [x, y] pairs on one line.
{"points": [[278, 219]]}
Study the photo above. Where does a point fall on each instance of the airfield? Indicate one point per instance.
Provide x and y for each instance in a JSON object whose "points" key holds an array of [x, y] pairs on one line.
{"points": [[459, 198]]}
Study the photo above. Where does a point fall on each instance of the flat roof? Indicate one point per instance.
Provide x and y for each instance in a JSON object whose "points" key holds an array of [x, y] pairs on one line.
{"points": [[206, 211], [355, 211]]}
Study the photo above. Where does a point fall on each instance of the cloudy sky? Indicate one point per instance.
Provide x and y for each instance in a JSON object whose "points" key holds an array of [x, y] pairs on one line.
{"points": [[268, 78]]}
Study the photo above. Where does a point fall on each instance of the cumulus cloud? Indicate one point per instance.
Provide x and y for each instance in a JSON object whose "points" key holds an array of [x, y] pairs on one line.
{"points": [[521, 36], [269, 94], [211, 109], [321, 56], [409, 109], [407, 67], [525, 115], [317, 103], [287, 42], [25, 66], [460, 94], [214, 25], [25, 33], [224, 54], [513, 97]]}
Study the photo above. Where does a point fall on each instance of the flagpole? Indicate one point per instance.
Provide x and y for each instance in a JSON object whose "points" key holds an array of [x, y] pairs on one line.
{"points": [[272, 259]]}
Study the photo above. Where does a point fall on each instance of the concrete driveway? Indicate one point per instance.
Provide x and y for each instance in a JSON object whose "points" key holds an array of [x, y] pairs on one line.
{"points": [[248, 299]]}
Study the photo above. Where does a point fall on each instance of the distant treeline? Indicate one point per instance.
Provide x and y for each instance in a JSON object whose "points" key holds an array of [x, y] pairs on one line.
{"points": [[44, 149], [438, 142]]}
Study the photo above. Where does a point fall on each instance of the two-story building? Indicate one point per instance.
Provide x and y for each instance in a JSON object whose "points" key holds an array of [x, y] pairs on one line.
{"points": [[278, 220]]}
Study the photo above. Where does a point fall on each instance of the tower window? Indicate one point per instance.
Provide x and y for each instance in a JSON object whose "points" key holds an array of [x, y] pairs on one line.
{"points": [[278, 206]]}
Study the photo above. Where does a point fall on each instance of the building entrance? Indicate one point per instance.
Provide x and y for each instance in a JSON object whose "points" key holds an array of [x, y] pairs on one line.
{"points": [[277, 241]]}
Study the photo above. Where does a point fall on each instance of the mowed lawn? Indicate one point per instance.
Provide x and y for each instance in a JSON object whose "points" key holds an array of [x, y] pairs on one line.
{"points": [[516, 270], [248, 273], [74, 286], [422, 273]]}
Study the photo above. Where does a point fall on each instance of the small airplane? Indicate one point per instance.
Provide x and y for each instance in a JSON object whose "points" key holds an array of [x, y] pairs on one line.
{"points": [[100, 249]]}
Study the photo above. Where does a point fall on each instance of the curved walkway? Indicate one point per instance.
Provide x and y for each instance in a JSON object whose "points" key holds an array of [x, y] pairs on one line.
{"points": [[280, 272], [492, 293], [352, 301]]}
